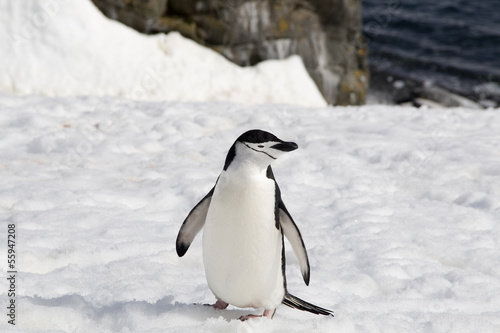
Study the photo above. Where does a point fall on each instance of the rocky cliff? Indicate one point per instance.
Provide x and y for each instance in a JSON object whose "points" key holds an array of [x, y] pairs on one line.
{"points": [[325, 33]]}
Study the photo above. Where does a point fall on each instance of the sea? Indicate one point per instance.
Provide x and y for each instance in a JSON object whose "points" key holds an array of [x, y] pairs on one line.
{"points": [[453, 44]]}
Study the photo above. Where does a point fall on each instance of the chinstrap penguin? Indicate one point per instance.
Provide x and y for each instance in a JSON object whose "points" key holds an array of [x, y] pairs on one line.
{"points": [[244, 222]]}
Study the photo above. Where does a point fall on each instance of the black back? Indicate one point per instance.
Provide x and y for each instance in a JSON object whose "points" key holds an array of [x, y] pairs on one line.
{"points": [[257, 136]]}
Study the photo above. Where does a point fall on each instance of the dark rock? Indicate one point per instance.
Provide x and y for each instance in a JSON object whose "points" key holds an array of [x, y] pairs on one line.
{"points": [[211, 30], [138, 14], [176, 23], [183, 7], [394, 89], [325, 33], [446, 98]]}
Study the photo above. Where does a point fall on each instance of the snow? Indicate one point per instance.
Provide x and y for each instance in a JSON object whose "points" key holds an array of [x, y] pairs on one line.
{"points": [[398, 208], [69, 48]]}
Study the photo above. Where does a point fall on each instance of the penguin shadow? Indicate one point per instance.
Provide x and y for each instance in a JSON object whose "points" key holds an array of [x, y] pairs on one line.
{"points": [[115, 312]]}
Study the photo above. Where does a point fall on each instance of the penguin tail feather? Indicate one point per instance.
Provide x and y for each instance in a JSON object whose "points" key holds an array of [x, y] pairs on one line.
{"points": [[297, 303]]}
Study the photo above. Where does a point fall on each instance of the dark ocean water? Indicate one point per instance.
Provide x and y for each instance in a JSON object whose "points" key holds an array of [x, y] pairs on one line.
{"points": [[454, 44]]}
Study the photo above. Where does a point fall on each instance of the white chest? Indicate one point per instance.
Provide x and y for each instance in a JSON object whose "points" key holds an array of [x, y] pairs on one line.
{"points": [[241, 244]]}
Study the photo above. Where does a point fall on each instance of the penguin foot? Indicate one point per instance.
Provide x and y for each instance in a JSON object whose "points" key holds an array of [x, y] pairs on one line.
{"points": [[219, 305], [267, 313]]}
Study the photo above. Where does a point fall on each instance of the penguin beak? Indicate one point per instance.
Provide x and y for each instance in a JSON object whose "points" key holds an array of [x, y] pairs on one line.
{"points": [[285, 146]]}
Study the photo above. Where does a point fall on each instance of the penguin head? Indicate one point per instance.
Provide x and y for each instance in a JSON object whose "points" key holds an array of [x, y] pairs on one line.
{"points": [[257, 147]]}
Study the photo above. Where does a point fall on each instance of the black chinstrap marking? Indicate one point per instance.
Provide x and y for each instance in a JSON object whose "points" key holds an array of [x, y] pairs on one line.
{"points": [[259, 151]]}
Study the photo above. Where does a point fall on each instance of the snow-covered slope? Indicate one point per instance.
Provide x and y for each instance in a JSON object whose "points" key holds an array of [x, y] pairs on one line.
{"points": [[68, 48], [398, 207]]}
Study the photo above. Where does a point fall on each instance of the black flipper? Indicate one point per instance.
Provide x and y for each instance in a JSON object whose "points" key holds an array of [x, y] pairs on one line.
{"points": [[193, 224], [297, 303], [291, 231], [293, 235]]}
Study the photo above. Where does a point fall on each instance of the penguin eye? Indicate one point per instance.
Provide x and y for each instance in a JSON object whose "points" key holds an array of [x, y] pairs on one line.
{"points": [[260, 146]]}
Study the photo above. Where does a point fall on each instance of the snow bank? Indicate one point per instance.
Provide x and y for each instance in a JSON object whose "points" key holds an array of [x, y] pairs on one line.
{"points": [[398, 207], [68, 48]]}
